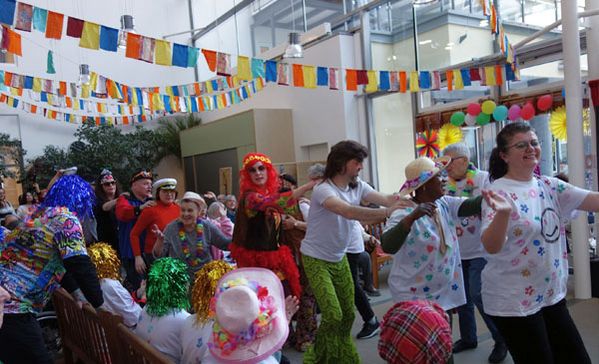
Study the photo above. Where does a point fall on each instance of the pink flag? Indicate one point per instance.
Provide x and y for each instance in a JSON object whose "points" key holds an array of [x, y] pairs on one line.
{"points": [[333, 78]]}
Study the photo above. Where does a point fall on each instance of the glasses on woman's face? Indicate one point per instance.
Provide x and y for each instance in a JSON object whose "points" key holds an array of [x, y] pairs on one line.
{"points": [[257, 169], [109, 183], [523, 145]]}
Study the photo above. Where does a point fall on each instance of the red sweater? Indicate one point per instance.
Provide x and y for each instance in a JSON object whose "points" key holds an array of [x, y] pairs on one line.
{"points": [[160, 215]]}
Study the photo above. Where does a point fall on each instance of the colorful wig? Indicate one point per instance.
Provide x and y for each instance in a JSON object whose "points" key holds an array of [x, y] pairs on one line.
{"points": [[204, 287], [168, 287], [106, 260], [245, 180], [72, 192]]}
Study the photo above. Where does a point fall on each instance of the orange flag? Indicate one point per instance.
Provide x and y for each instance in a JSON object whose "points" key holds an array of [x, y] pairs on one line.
{"points": [[54, 25], [133, 45], [449, 75], [403, 81], [14, 42], [351, 79], [210, 59], [499, 74], [62, 90], [298, 75]]}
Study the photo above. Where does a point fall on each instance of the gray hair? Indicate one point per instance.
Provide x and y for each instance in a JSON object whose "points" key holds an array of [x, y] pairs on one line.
{"points": [[459, 149], [230, 197], [214, 208], [316, 171]]}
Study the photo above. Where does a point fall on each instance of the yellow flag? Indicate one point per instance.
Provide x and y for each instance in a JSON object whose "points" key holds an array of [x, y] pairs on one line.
{"points": [[457, 79], [134, 97], [169, 90], [414, 87], [372, 85], [37, 85], [490, 76], [15, 92], [244, 71], [157, 101], [50, 98], [309, 77], [163, 52], [209, 87], [90, 36], [93, 80], [85, 91]]}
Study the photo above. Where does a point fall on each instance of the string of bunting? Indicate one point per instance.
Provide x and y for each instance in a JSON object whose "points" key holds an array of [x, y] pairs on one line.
{"points": [[496, 27], [159, 107]]}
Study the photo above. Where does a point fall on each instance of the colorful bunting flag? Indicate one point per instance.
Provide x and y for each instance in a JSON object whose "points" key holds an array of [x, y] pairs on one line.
{"points": [[298, 75], [322, 76], [24, 17], [210, 57], [244, 71], [283, 73], [436, 82], [50, 64], [372, 85], [74, 27], [394, 81], [384, 81], [162, 51], [147, 49], [258, 68], [403, 81], [362, 77], [490, 76], [458, 80], [133, 49], [192, 56], [109, 39], [351, 79], [309, 76], [90, 36], [425, 80], [7, 11], [414, 87], [54, 25], [40, 17], [13, 45], [333, 78], [180, 55], [271, 71], [223, 64], [466, 76]]}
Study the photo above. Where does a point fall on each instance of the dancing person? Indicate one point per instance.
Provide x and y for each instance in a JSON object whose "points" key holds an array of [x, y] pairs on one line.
{"points": [[27, 205], [335, 203], [465, 180], [107, 193], [524, 283]]}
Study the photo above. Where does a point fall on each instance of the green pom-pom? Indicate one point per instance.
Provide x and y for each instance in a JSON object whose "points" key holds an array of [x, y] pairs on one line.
{"points": [[168, 287]]}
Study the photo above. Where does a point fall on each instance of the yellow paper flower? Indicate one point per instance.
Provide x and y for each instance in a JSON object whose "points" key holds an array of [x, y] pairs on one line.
{"points": [[449, 134], [558, 124]]}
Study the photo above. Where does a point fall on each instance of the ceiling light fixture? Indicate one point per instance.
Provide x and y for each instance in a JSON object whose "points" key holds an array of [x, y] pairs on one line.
{"points": [[84, 76], [294, 49], [126, 27]]}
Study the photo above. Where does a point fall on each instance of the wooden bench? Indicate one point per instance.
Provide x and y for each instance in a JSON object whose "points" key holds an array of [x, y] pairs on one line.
{"points": [[135, 350], [377, 257]]}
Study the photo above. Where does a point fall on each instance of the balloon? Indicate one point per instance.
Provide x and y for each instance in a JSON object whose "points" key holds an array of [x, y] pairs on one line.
{"points": [[483, 119], [514, 112], [470, 120], [500, 113], [545, 102], [473, 109], [488, 107], [528, 112], [457, 118]]}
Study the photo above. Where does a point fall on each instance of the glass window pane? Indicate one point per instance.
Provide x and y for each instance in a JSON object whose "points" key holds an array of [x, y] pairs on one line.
{"points": [[511, 10], [539, 12]]}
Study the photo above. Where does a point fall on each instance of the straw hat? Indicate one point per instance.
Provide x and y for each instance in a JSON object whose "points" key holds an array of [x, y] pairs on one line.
{"points": [[421, 170], [194, 197]]}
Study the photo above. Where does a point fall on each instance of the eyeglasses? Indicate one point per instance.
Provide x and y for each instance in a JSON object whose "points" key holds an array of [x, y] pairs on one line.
{"points": [[257, 169], [524, 144], [109, 183], [457, 158], [168, 191]]}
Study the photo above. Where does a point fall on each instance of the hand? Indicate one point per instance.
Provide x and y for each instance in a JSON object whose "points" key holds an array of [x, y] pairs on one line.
{"points": [[291, 306], [497, 202], [371, 244], [426, 208], [147, 204], [289, 222], [141, 291], [156, 231], [140, 265]]}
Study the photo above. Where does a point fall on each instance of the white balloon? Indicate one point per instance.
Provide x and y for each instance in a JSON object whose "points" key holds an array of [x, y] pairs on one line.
{"points": [[470, 120]]}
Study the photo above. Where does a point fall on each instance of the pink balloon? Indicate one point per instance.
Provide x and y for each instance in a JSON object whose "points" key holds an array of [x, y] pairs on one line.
{"points": [[473, 109], [514, 112], [528, 112], [545, 102]]}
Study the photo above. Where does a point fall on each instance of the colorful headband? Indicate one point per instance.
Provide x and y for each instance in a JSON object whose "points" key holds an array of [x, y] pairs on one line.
{"points": [[255, 158], [226, 341], [424, 176], [141, 175]]}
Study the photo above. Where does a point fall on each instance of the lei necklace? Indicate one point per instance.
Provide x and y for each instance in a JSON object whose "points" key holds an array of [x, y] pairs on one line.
{"points": [[199, 244], [452, 188]]}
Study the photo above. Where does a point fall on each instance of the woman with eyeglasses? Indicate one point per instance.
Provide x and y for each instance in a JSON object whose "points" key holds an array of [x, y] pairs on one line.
{"points": [[525, 280], [107, 193], [260, 214]]}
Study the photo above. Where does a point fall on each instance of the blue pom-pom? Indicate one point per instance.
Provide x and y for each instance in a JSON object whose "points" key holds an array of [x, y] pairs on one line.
{"points": [[72, 192]]}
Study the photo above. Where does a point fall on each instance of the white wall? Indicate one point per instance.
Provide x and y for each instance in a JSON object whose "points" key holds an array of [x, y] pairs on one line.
{"points": [[151, 18]]}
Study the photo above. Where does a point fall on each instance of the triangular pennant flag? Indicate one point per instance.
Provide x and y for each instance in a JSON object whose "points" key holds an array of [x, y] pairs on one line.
{"points": [[163, 52], [90, 36], [24, 17], [109, 39], [244, 71], [54, 25], [309, 76], [50, 64], [372, 85], [414, 87], [180, 55], [74, 27], [223, 64], [210, 57], [192, 56], [271, 71], [133, 49], [147, 49], [40, 17]]}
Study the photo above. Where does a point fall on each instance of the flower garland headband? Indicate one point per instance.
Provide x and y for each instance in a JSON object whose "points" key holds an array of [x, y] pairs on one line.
{"points": [[255, 157], [226, 341]]}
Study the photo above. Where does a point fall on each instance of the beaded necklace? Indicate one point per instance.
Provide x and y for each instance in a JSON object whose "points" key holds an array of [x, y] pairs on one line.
{"points": [[199, 244], [451, 184]]}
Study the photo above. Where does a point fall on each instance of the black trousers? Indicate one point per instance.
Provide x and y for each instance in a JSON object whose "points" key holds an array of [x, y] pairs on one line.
{"points": [[549, 336], [360, 298], [21, 340]]}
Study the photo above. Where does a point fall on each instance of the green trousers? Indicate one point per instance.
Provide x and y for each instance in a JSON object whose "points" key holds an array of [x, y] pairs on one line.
{"points": [[334, 291]]}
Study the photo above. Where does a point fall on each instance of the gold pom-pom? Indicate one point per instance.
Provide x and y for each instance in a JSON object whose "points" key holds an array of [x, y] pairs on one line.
{"points": [[204, 287], [104, 257], [449, 134]]}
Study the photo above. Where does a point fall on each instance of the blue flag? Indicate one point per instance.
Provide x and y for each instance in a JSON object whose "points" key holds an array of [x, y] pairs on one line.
{"points": [[28, 83], [109, 38], [179, 55], [271, 71], [466, 76], [192, 56], [384, 83], [322, 76], [7, 11], [425, 79], [40, 16], [257, 68]]}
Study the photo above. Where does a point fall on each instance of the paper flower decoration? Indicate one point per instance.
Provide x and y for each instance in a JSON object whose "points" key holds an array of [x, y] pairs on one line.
{"points": [[559, 127], [427, 144], [449, 134]]}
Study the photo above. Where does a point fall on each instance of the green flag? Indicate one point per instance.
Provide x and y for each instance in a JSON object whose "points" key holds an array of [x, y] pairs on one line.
{"points": [[50, 67]]}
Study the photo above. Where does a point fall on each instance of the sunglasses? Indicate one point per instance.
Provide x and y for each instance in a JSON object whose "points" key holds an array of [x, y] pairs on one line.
{"points": [[524, 144], [257, 169], [109, 183]]}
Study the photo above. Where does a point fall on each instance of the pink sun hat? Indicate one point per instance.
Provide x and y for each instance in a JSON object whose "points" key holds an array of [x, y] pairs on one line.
{"points": [[249, 316]]}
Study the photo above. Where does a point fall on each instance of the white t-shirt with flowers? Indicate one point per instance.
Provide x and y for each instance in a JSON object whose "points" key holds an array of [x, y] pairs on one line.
{"points": [[531, 270], [420, 270]]}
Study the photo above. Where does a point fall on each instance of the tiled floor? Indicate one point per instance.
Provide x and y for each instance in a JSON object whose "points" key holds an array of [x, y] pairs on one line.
{"points": [[584, 312]]}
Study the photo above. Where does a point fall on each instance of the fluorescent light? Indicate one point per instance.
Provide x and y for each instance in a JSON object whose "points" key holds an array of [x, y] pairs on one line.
{"points": [[423, 42], [450, 44], [484, 23], [448, 48]]}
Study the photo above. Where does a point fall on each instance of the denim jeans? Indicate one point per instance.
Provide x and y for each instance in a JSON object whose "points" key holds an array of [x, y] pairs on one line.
{"points": [[472, 269]]}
